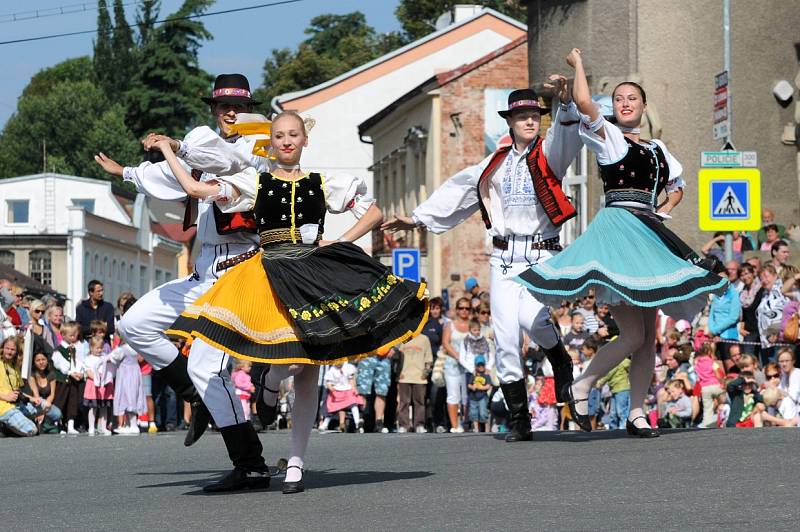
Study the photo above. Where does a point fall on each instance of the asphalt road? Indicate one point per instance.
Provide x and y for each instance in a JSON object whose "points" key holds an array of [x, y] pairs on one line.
{"points": [[735, 479]]}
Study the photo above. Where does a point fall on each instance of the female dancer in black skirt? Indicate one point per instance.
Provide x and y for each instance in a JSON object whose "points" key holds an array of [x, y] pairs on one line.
{"points": [[299, 301]]}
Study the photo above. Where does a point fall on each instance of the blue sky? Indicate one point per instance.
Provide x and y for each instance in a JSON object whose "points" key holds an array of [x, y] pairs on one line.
{"points": [[242, 41]]}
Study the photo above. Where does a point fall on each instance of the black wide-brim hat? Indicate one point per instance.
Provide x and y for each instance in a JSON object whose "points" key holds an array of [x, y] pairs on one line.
{"points": [[523, 99], [233, 89]]}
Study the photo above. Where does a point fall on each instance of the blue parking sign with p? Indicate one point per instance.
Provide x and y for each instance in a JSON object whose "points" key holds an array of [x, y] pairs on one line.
{"points": [[405, 263]]}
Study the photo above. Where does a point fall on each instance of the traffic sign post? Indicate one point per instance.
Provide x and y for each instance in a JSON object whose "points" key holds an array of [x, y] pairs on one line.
{"points": [[722, 127], [729, 199], [406, 263]]}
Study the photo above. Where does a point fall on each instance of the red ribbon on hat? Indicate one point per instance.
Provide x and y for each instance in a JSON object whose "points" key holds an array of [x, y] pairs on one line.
{"points": [[523, 103], [231, 92]]}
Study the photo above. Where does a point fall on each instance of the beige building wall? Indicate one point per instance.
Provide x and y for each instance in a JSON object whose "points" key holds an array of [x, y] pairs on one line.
{"points": [[675, 47]]}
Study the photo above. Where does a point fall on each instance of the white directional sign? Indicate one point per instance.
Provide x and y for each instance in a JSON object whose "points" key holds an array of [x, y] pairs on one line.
{"points": [[729, 159], [722, 123]]}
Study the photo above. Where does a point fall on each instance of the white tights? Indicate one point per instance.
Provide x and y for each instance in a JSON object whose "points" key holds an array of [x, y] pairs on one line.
{"points": [[98, 412], [304, 411], [637, 336]]}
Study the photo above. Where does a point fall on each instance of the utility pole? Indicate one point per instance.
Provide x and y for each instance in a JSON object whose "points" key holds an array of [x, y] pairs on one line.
{"points": [[44, 155], [726, 58]]}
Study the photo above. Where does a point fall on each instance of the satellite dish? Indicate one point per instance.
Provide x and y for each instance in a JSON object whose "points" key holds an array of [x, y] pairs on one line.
{"points": [[41, 226]]}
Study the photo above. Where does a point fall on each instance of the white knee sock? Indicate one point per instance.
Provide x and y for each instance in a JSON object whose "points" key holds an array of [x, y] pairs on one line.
{"points": [[132, 420], [629, 320], [641, 371], [92, 415], [304, 414], [356, 414], [101, 419], [272, 380]]}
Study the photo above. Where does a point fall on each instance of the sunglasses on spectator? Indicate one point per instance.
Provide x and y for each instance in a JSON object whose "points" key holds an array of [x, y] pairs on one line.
{"points": [[37, 310], [463, 308], [485, 312], [774, 376]]}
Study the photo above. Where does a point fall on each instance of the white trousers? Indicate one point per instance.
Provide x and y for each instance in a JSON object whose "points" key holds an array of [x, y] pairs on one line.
{"points": [[144, 324], [514, 309]]}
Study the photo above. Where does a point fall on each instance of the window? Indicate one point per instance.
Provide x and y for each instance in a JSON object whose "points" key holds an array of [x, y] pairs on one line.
{"points": [[17, 211], [87, 204], [6, 257], [39, 266]]}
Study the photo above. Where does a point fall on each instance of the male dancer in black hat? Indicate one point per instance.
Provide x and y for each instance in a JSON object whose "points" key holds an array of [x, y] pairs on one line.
{"points": [[518, 191], [222, 238]]}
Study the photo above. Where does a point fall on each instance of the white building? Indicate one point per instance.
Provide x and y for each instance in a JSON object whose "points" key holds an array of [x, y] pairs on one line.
{"points": [[65, 231], [341, 104]]}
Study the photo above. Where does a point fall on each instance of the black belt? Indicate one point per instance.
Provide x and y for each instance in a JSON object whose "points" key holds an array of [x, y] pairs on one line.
{"points": [[551, 244], [233, 261]]}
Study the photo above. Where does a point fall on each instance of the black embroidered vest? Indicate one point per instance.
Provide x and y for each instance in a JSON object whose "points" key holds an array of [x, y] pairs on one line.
{"points": [[284, 204], [642, 169]]}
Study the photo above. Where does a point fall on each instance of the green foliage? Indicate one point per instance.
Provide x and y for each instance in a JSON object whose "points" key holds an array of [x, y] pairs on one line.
{"points": [[75, 119], [418, 17], [77, 69], [335, 44], [103, 58], [123, 63], [146, 18], [165, 92]]}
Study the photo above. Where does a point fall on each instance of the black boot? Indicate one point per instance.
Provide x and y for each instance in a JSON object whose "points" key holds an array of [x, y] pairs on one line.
{"points": [[519, 419], [249, 470], [267, 414], [176, 375], [561, 363]]}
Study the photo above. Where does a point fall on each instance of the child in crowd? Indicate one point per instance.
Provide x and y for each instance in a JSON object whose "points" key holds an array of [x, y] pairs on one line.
{"points": [[780, 411], [618, 380], [478, 388], [474, 345], [99, 328], [542, 404], [417, 359], [340, 381], [129, 394], [746, 403], [588, 351], [678, 409], [98, 394], [710, 373], [244, 384], [68, 363]]}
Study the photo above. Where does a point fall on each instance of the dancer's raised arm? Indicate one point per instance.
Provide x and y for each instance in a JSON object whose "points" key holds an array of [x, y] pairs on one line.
{"points": [[580, 88]]}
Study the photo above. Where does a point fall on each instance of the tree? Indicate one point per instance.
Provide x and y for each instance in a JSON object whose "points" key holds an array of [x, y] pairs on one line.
{"points": [[77, 69], [165, 91], [75, 119], [146, 18], [418, 17], [103, 54], [335, 44], [123, 52]]}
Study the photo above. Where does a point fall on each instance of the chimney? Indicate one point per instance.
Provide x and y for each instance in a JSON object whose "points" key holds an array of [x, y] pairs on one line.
{"points": [[457, 14]]}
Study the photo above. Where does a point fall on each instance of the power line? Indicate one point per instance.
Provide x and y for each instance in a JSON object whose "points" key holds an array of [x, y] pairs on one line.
{"points": [[55, 11], [172, 19]]}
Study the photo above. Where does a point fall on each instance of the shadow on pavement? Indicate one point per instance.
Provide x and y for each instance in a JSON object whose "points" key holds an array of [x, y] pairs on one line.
{"points": [[577, 437]]}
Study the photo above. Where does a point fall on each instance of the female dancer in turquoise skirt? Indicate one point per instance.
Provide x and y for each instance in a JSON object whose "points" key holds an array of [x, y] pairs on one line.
{"points": [[626, 256]]}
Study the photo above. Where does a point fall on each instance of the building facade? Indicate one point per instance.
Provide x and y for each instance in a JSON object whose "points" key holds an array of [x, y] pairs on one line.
{"points": [[65, 231], [445, 124], [341, 104], [675, 48]]}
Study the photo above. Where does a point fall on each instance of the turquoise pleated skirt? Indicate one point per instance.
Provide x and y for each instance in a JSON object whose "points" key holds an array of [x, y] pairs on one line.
{"points": [[624, 262]]}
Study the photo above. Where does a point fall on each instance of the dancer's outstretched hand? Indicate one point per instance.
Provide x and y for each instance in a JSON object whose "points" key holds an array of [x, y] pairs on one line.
{"points": [[398, 223], [559, 86], [108, 164], [150, 141], [574, 57]]}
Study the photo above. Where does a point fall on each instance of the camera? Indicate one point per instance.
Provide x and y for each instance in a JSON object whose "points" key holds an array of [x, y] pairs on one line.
{"points": [[22, 399]]}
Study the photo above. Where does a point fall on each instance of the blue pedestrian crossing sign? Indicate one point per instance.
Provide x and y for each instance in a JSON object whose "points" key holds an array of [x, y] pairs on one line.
{"points": [[406, 263], [729, 199]]}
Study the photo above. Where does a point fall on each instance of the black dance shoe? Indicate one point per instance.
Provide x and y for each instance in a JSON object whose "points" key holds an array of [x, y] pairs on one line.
{"points": [[198, 423], [240, 479], [637, 432], [584, 421], [294, 487]]}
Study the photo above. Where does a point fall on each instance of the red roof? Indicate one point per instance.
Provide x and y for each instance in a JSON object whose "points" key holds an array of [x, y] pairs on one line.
{"points": [[446, 77]]}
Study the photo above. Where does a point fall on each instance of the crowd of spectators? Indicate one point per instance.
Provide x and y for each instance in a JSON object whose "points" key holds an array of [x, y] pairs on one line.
{"points": [[734, 365]]}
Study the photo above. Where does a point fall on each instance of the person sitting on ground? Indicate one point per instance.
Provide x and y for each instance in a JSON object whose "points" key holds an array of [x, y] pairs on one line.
{"points": [[542, 403], [746, 403], [41, 388], [678, 409], [18, 410], [785, 414]]}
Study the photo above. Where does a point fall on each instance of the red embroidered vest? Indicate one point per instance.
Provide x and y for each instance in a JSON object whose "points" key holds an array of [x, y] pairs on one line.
{"points": [[227, 223], [547, 187]]}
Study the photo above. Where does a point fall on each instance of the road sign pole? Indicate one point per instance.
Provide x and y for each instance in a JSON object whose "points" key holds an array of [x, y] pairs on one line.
{"points": [[728, 247], [726, 37]]}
